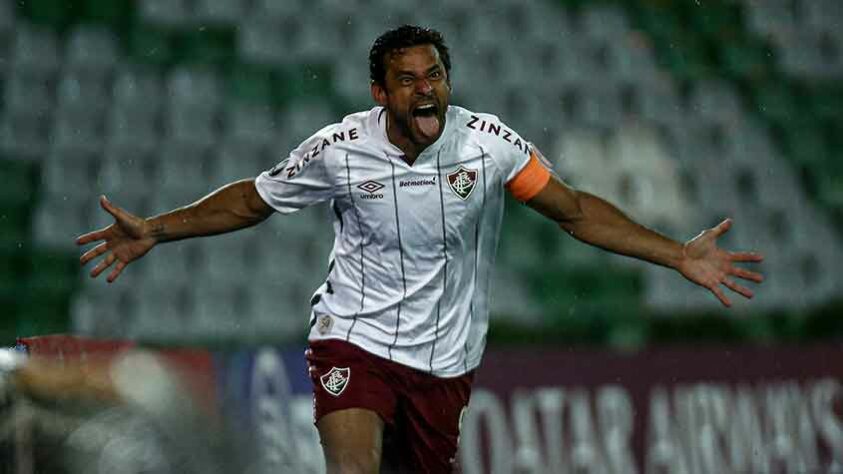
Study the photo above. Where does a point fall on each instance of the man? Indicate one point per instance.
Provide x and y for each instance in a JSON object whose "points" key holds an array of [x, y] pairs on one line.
{"points": [[417, 189]]}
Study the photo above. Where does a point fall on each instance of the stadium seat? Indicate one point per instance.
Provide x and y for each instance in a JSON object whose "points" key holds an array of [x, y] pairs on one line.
{"points": [[225, 260], [770, 17], [821, 15], [182, 171], [604, 23], [280, 309], [7, 18], [152, 44], [250, 84], [252, 123], [84, 98], [25, 94], [171, 13], [260, 40], [35, 51], [24, 135], [313, 45], [303, 118], [197, 88], [226, 12], [191, 124], [657, 100], [127, 126], [74, 129], [91, 51], [237, 159], [160, 313], [273, 10], [173, 266], [70, 173], [716, 101], [137, 87], [216, 312], [57, 223], [126, 176]]}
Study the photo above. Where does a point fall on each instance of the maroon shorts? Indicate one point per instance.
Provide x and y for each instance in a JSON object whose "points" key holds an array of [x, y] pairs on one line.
{"points": [[421, 412]]}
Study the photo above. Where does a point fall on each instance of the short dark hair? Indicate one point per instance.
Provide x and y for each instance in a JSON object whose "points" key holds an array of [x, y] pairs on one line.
{"points": [[403, 37]]}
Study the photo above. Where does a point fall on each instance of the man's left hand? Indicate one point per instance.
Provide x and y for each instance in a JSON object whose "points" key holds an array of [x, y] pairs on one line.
{"points": [[707, 265]]}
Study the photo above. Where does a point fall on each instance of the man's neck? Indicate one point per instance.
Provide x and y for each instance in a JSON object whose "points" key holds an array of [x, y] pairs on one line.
{"points": [[400, 139]]}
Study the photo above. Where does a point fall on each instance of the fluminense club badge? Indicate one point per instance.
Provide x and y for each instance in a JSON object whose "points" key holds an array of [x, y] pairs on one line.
{"points": [[335, 381], [462, 181]]}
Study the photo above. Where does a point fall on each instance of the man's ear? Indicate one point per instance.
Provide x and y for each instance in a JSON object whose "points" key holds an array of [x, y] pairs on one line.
{"points": [[379, 94]]}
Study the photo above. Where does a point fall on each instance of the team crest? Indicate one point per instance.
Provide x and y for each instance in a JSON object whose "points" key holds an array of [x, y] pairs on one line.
{"points": [[462, 182], [336, 380]]}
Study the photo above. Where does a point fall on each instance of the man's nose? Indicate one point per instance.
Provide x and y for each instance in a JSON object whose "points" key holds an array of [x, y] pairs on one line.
{"points": [[423, 87]]}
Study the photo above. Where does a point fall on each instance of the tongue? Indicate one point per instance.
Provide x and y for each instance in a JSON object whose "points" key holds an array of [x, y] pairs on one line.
{"points": [[428, 125]]}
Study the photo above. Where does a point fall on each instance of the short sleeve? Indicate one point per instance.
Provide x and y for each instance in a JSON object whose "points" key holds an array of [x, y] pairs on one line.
{"points": [[301, 180]]}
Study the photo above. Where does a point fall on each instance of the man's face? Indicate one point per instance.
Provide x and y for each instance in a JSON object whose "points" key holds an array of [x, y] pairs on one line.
{"points": [[415, 93]]}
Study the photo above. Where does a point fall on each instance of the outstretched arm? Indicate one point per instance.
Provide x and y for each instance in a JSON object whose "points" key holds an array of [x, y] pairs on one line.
{"points": [[597, 222], [232, 207]]}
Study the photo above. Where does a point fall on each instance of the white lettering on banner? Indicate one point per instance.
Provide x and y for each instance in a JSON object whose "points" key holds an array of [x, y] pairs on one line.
{"points": [[271, 394], [784, 426], [550, 404], [554, 430], [287, 440], [769, 428], [586, 455], [486, 410], [311, 458], [830, 425], [615, 416]]}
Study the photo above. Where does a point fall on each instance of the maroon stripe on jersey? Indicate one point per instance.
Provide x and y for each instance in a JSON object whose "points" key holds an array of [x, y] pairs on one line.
{"points": [[444, 254], [401, 257], [362, 245], [476, 252]]}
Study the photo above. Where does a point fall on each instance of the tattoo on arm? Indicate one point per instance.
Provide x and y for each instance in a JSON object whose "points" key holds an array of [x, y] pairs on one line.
{"points": [[158, 231]]}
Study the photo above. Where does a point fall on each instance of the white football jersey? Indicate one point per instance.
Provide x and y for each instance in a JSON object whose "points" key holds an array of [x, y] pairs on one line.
{"points": [[410, 271]]}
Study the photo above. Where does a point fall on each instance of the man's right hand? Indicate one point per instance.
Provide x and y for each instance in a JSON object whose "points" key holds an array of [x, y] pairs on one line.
{"points": [[124, 241]]}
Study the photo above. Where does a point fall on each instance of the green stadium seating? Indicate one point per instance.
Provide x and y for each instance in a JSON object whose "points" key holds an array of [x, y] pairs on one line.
{"points": [[207, 45], [250, 83], [115, 13], [54, 13], [775, 101], [152, 45], [745, 60]]}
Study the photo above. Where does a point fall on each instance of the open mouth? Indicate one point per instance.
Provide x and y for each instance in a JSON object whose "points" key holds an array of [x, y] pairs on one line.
{"points": [[426, 110], [427, 121]]}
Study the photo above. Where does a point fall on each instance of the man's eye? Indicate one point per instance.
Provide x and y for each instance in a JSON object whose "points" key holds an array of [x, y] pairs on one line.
{"points": [[406, 81], [435, 75]]}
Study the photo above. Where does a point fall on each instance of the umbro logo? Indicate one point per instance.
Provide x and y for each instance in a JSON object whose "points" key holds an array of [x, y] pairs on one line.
{"points": [[371, 188]]}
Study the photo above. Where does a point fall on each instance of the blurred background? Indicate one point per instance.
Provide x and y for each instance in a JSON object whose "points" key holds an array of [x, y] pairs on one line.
{"points": [[680, 112]]}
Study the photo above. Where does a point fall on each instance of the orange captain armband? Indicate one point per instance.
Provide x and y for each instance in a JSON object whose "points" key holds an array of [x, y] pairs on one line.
{"points": [[530, 180]]}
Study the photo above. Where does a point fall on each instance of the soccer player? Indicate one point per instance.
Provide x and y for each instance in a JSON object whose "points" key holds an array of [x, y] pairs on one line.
{"points": [[417, 188]]}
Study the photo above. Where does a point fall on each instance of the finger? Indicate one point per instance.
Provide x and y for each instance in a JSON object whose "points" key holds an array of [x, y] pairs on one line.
{"points": [[93, 253], [739, 289], [116, 272], [91, 236], [721, 296], [746, 274], [722, 227], [105, 263], [115, 211], [746, 257]]}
